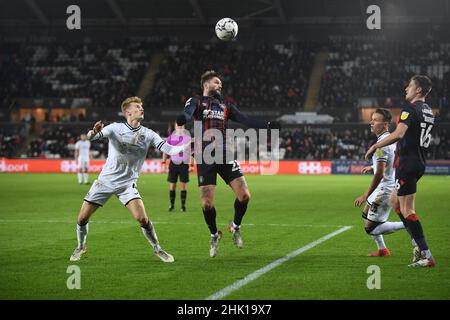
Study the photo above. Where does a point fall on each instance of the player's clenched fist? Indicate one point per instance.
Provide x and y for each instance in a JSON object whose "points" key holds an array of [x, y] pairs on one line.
{"points": [[98, 126]]}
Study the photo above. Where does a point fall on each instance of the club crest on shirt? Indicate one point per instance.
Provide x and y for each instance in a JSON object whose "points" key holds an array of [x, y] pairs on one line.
{"points": [[404, 115], [379, 153], [141, 138]]}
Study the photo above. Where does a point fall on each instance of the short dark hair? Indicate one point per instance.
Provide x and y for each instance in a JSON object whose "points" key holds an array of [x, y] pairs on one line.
{"points": [[424, 83], [387, 116], [209, 75], [181, 120]]}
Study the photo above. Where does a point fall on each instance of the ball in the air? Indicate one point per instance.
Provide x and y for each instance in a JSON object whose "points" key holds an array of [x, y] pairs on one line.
{"points": [[226, 29]]}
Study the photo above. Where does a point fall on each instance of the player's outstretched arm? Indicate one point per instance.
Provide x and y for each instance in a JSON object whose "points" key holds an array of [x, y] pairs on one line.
{"points": [[162, 145], [240, 117], [173, 150], [392, 138], [98, 126]]}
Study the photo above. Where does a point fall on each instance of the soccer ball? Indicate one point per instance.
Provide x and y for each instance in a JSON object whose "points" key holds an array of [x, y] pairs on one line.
{"points": [[226, 29]]}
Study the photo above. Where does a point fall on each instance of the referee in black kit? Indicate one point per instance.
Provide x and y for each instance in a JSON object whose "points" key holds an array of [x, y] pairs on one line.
{"points": [[180, 164]]}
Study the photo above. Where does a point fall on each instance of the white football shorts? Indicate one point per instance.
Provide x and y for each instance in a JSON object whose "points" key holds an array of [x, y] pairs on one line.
{"points": [[99, 193], [379, 205], [83, 163]]}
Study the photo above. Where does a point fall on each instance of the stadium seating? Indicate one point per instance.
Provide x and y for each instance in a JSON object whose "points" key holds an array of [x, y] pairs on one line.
{"points": [[105, 72], [381, 69], [269, 76]]}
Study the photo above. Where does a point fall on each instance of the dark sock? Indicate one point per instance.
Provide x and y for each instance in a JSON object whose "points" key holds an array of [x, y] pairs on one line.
{"points": [[417, 232], [183, 197], [210, 219], [172, 197], [405, 223], [239, 211]]}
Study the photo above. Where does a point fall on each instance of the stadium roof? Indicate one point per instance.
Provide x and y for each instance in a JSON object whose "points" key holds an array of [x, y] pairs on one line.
{"points": [[52, 13]]}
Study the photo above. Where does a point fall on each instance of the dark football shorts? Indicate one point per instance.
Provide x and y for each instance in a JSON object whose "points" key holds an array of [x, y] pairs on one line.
{"points": [[207, 173], [406, 177], [178, 170]]}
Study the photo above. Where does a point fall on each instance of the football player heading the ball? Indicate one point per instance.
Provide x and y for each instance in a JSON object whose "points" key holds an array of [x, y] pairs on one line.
{"points": [[214, 113]]}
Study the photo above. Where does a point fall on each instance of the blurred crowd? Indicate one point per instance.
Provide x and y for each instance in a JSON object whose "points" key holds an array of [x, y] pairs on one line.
{"points": [[264, 77], [325, 144], [10, 143], [106, 72], [381, 69], [257, 78], [307, 143], [58, 142]]}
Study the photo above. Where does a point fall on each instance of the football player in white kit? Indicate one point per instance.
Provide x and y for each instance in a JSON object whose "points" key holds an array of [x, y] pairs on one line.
{"points": [[378, 207], [82, 148], [127, 149]]}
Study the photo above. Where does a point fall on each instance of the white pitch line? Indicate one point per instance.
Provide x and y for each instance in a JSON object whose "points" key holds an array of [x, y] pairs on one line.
{"points": [[170, 223], [253, 276]]}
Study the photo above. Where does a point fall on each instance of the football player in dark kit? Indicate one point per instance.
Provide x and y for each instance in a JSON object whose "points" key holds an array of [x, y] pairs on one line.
{"points": [[413, 134], [214, 113]]}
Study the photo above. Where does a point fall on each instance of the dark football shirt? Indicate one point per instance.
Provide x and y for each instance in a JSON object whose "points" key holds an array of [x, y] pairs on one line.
{"points": [[214, 113], [419, 118]]}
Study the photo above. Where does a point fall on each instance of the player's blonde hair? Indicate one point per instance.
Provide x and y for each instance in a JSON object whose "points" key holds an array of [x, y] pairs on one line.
{"points": [[128, 101]]}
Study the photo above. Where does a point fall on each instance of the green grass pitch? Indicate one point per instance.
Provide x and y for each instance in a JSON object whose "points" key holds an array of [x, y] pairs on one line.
{"points": [[37, 236]]}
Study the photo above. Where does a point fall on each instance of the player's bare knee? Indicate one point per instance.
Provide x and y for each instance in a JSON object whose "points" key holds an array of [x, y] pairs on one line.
{"points": [[207, 204], [407, 212], [82, 220], [245, 197]]}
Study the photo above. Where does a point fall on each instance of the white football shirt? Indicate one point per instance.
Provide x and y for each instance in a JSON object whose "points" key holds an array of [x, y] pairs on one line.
{"points": [[83, 149], [385, 154], [127, 150]]}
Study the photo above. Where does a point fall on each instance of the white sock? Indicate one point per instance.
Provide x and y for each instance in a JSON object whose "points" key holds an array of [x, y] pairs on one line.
{"points": [[82, 232], [235, 226], [80, 175], [387, 227], [413, 242], [379, 241], [150, 235], [86, 177]]}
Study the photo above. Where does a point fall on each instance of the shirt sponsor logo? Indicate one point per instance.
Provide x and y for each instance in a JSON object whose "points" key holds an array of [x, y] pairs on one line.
{"points": [[213, 114]]}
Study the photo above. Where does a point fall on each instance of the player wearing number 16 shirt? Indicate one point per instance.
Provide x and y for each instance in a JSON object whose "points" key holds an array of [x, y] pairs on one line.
{"points": [[413, 134]]}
